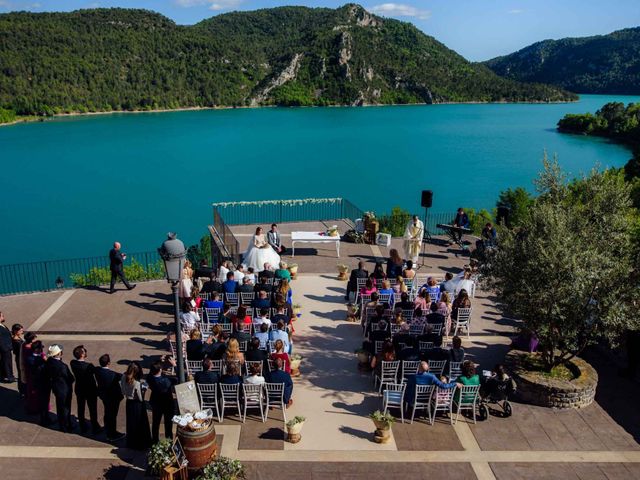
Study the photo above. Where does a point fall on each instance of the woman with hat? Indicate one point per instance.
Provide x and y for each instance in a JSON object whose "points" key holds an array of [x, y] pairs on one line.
{"points": [[61, 381]]}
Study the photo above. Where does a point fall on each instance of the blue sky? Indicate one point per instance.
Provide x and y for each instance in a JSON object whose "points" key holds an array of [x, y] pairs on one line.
{"points": [[477, 29]]}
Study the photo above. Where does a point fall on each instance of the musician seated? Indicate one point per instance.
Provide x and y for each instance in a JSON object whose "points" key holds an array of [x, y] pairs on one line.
{"points": [[489, 236], [461, 221]]}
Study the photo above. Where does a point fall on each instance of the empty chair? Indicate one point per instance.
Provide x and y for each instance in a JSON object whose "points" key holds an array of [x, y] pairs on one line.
{"points": [[243, 345], [455, 370], [212, 314], [378, 346], [442, 401], [393, 396], [436, 328], [409, 367], [463, 320], [422, 400], [275, 397], [407, 314], [194, 366], [437, 366], [209, 397], [204, 296], [232, 299], [466, 398], [253, 398], [416, 329], [395, 329], [230, 397], [247, 297], [388, 374]]}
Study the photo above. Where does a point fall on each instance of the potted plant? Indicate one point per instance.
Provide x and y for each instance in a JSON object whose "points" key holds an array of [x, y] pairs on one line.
{"points": [[363, 358], [160, 456], [223, 468], [342, 271], [293, 270], [297, 309], [294, 427], [383, 422], [352, 312], [295, 361]]}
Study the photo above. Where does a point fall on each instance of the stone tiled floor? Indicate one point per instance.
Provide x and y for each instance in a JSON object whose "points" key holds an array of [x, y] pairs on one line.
{"points": [[333, 395]]}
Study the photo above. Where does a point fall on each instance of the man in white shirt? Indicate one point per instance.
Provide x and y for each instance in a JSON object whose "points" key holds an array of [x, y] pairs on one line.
{"points": [[189, 318], [262, 318], [281, 334]]}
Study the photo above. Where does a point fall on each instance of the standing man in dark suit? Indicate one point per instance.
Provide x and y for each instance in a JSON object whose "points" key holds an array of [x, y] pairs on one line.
{"points": [[116, 259], [161, 401], [275, 240], [109, 392], [86, 389], [352, 285], [6, 349], [61, 380]]}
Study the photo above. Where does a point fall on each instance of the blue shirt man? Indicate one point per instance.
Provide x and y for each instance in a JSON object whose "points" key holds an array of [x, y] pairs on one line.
{"points": [[230, 285]]}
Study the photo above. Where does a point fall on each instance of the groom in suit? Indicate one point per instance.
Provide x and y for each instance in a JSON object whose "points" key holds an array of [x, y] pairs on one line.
{"points": [[274, 239]]}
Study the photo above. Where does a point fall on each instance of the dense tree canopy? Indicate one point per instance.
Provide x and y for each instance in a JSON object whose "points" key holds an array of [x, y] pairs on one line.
{"points": [[124, 59], [599, 64]]}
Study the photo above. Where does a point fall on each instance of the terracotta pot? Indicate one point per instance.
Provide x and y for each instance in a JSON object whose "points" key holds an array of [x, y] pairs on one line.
{"points": [[295, 429], [382, 426]]}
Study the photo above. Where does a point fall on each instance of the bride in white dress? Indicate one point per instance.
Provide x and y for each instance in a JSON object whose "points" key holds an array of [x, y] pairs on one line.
{"points": [[259, 252]]}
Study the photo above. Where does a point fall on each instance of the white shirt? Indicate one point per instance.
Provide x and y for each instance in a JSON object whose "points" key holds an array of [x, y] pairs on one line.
{"points": [[238, 276], [222, 276], [189, 319], [281, 335], [464, 285], [254, 379], [259, 321]]}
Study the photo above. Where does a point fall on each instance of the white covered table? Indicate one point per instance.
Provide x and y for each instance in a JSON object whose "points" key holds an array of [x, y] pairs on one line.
{"points": [[313, 237]]}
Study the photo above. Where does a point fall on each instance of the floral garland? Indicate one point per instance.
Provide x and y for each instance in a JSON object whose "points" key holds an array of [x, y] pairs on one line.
{"points": [[286, 203]]}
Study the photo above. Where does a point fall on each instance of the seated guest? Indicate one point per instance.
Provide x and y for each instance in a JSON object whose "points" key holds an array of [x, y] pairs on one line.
{"points": [[194, 347], [262, 285], [387, 290], [423, 377], [398, 318], [279, 301], [449, 284], [262, 319], [280, 333], [411, 352], [207, 375], [444, 305], [352, 284], [489, 235], [422, 301], [437, 352], [212, 285], [188, 318], [254, 377], [435, 316], [241, 335], [233, 355], [232, 375], [378, 272], [230, 285], [285, 290], [394, 264], [456, 354], [402, 337], [263, 335], [215, 302], [281, 354], [369, 319], [432, 288], [469, 377], [246, 287], [226, 316], [283, 272], [251, 275], [409, 272], [388, 354], [461, 301], [263, 300], [242, 316], [278, 375], [281, 315], [215, 345], [196, 300], [225, 268], [400, 286], [255, 354], [267, 272], [375, 301], [238, 275], [404, 303], [369, 287], [430, 336]]}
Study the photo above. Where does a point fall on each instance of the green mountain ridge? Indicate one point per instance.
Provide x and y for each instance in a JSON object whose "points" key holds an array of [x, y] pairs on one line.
{"points": [[124, 59], [599, 64]]}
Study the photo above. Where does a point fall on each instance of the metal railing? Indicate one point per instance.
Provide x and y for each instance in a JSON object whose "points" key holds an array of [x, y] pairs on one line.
{"points": [[54, 274]]}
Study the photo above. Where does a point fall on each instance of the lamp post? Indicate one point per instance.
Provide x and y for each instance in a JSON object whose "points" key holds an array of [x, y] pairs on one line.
{"points": [[173, 254]]}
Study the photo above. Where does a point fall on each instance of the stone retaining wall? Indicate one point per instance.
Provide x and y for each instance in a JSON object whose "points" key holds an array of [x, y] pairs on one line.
{"points": [[552, 392]]}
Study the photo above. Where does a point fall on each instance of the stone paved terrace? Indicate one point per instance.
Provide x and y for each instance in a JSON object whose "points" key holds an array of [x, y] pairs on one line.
{"points": [[598, 442]]}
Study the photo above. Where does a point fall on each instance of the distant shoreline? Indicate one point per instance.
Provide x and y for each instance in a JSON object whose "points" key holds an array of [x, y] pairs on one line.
{"points": [[34, 118]]}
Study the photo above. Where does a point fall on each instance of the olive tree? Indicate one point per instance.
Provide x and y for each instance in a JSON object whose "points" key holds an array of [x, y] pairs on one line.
{"points": [[568, 271]]}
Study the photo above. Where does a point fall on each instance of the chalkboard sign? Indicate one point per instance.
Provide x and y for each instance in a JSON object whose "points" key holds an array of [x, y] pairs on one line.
{"points": [[187, 396], [178, 452]]}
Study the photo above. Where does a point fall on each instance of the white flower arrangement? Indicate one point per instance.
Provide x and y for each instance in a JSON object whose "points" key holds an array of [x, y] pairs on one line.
{"points": [[286, 203]]}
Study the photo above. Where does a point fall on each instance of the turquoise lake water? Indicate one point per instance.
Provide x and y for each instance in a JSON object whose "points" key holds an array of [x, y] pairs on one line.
{"points": [[72, 185]]}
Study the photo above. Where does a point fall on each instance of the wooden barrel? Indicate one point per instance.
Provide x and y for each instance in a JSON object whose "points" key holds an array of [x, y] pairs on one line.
{"points": [[199, 447]]}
